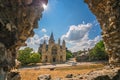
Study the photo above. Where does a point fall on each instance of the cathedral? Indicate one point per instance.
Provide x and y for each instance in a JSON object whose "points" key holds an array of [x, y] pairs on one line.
{"points": [[52, 52]]}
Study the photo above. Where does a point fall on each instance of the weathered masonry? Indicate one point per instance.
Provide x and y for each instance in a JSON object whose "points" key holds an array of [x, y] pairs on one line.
{"points": [[108, 14], [17, 20]]}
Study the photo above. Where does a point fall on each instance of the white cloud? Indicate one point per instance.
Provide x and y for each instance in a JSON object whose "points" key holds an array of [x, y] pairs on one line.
{"points": [[76, 33], [84, 44], [43, 30], [45, 37], [35, 41], [77, 37]]}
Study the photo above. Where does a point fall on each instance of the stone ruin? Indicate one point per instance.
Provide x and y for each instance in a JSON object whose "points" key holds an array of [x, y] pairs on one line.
{"points": [[19, 17], [107, 13]]}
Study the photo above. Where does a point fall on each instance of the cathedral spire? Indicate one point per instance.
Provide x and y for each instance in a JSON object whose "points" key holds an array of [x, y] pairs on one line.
{"points": [[63, 43], [51, 36], [51, 40]]}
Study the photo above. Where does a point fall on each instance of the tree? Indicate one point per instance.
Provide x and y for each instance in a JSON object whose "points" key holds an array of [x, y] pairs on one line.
{"points": [[98, 52], [24, 55], [68, 54], [27, 56], [34, 57]]}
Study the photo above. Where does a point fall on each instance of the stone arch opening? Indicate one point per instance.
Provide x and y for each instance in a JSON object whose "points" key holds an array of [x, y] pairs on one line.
{"points": [[106, 11]]}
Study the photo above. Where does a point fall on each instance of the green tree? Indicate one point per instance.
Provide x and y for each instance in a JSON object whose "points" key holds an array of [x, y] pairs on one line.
{"points": [[98, 52], [34, 57], [68, 54], [26, 56]]}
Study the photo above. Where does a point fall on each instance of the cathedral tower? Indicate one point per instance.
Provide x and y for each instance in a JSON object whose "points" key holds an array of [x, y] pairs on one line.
{"points": [[51, 40], [63, 44], [53, 52]]}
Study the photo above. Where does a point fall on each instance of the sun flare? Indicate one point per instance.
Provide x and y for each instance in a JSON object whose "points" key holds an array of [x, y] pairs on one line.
{"points": [[44, 6]]}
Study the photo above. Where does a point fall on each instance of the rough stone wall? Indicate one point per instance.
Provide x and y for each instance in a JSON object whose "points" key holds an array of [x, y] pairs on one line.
{"points": [[17, 20], [99, 74], [108, 14]]}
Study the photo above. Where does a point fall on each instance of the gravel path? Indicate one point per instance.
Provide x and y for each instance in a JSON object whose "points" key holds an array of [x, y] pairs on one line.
{"points": [[60, 65]]}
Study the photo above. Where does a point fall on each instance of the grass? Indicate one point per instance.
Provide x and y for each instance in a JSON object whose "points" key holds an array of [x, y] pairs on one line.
{"points": [[32, 74]]}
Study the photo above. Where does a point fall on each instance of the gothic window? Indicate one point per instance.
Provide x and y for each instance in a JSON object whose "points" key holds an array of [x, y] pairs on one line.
{"points": [[47, 48], [54, 59], [54, 50]]}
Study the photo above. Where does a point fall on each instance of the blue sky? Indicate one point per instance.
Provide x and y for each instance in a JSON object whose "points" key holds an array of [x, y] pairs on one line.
{"points": [[70, 20]]}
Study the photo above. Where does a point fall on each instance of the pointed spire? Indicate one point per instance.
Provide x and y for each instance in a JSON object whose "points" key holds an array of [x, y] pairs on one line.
{"points": [[51, 38], [63, 43]]}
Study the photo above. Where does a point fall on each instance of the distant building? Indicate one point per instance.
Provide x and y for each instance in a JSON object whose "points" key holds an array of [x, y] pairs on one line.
{"points": [[83, 56], [52, 52]]}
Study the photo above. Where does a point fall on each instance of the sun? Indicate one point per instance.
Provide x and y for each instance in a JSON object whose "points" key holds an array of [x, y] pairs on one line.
{"points": [[44, 6]]}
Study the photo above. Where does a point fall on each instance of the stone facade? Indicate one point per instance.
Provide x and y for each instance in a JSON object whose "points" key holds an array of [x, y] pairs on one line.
{"points": [[52, 52], [108, 14]]}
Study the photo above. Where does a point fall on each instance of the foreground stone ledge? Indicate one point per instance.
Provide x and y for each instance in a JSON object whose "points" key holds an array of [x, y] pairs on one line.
{"points": [[107, 73], [14, 76]]}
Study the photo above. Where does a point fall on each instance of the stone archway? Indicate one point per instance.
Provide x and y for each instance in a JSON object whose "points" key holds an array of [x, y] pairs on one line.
{"points": [[19, 17]]}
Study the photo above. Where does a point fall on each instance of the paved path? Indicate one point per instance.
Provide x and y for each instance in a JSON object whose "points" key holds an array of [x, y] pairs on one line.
{"points": [[59, 65], [46, 66]]}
